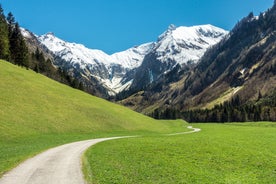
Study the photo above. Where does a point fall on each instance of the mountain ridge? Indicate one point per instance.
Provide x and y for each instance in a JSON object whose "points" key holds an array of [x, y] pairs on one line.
{"points": [[115, 72]]}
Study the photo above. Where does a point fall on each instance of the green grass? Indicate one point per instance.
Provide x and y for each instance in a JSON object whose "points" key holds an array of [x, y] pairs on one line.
{"points": [[37, 113], [220, 153]]}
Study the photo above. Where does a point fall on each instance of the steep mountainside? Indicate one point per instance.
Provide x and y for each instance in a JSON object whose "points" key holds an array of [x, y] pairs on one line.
{"points": [[243, 64], [182, 46]]}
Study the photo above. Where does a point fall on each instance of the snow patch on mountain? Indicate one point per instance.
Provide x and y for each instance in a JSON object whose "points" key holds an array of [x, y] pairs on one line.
{"points": [[134, 56], [184, 44], [25, 33]]}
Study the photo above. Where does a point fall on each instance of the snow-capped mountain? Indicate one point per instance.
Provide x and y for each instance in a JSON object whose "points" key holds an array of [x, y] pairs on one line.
{"points": [[183, 44], [180, 46], [117, 72], [78, 53], [107, 69]]}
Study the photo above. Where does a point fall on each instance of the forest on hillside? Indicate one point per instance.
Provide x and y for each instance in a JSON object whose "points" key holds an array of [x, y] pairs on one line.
{"points": [[14, 49]]}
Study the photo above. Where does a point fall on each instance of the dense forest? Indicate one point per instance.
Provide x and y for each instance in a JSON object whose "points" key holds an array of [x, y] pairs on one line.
{"points": [[13, 48]]}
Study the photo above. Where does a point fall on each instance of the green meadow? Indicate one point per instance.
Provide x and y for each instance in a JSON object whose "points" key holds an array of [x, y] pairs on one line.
{"points": [[37, 113], [220, 153]]}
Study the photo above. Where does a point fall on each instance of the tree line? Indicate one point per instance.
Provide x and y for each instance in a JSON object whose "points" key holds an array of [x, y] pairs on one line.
{"points": [[231, 111], [234, 111]]}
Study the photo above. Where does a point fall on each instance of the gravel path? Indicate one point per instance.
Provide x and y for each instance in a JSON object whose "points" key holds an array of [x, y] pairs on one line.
{"points": [[194, 130], [59, 165]]}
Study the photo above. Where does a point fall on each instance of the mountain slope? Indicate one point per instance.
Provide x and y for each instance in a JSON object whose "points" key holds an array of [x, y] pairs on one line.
{"points": [[182, 46], [37, 113], [42, 105], [244, 63]]}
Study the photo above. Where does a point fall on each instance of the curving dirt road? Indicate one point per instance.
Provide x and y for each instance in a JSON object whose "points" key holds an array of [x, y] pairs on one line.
{"points": [[59, 165], [194, 130]]}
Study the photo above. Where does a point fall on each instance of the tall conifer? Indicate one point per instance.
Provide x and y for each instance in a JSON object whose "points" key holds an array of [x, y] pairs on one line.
{"points": [[18, 48], [4, 36]]}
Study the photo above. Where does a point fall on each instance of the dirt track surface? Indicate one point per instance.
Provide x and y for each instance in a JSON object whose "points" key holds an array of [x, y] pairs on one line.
{"points": [[194, 130], [59, 165]]}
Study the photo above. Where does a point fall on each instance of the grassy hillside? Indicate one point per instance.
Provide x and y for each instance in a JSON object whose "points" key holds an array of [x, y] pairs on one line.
{"points": [[37, 113], [220, 153]]}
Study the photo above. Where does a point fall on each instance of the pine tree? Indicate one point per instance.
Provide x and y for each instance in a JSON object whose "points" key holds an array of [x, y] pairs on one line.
{"points": [[156, 114], [10, 18], [11, 23], [4, 36], [18, 48]]}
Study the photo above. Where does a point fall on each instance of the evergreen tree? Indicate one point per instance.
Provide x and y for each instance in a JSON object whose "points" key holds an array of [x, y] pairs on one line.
{"points": [[11, 23], [156, 114], [18, 48], [4, 36], [11, 19]]}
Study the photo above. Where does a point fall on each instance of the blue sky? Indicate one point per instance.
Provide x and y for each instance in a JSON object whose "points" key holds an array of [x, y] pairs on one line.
{"points": [[115, 25]]}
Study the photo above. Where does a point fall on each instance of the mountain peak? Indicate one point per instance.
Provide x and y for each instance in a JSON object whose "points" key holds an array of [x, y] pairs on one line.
{"points": [[183, 44], [171, 27], [188, 33], [50, 34], [169, 31]]}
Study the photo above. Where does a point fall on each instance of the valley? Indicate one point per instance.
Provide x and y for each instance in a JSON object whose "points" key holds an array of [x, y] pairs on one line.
{"points": [[188, 69], [38, 113], [195, 105], [22, 138]]}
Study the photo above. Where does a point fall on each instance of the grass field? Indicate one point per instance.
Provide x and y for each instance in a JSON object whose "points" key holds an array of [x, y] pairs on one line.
{"points": [[220, 153], [37, 113]]}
